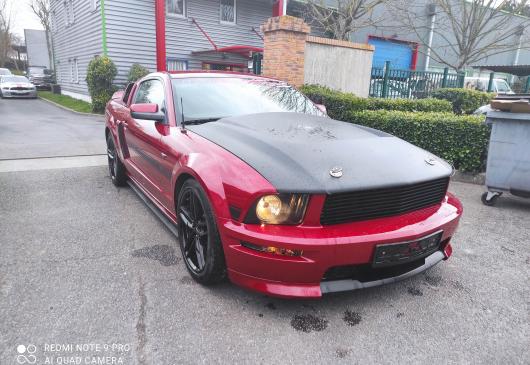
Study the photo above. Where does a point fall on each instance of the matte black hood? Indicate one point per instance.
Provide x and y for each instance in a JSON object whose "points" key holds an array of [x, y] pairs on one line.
{"points": [[295, 152]]}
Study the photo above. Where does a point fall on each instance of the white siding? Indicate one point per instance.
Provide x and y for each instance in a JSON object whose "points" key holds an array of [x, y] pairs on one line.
{"points": [[80, 40]]}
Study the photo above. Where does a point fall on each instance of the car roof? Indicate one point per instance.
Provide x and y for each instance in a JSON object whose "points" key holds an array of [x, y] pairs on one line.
{"points": [[216, 74]]}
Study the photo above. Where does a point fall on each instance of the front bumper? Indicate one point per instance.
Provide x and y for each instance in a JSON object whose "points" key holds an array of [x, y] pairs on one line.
{"points": [[325, 248], [19, 94]]}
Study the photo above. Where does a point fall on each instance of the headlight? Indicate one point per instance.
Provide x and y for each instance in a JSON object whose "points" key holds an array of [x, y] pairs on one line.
{"points": [[278, 209]]}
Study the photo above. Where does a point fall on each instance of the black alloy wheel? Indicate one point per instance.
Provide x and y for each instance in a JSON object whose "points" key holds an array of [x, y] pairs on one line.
{"points": [[116, 167], [198, 236]]}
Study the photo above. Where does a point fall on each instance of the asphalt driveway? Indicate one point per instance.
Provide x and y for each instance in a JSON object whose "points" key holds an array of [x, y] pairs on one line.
{"points": [[84, 263]]}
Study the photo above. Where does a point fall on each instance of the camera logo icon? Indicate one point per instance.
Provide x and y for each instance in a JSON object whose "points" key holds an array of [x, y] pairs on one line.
{"points": [[26, 354]]}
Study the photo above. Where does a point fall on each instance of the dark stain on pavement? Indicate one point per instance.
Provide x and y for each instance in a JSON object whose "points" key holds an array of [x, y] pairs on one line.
{"points": [[271, 306], [433, 280], [162, 253], [400, 314], [352, 318], [186, 280], [308, 322], [342, 353], [414, 291]]}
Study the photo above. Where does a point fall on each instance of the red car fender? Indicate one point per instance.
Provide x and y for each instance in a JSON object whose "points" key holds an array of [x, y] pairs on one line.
{"points": [[227, 180]]}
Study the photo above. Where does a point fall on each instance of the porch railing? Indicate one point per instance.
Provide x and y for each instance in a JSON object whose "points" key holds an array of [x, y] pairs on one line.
{"points": [[395, 83]]}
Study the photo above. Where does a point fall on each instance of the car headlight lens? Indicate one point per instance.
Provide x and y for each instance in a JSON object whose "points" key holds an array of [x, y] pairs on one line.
{"points": [[278, 209]]}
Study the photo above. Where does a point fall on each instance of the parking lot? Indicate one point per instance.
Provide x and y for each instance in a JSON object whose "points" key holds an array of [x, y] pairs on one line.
{"points": [[83, 262]]}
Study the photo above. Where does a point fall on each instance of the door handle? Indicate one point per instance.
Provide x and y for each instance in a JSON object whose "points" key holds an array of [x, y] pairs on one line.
{"points": [[163, 155]]}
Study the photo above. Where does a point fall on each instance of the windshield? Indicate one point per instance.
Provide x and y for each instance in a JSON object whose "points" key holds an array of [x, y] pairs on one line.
{"points": [[214, 98], [4, 71], [14, 79], [502, 86]]}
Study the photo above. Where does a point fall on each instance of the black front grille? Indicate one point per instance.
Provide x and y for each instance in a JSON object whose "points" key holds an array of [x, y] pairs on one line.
{"points": [[20, 88], [377, 203]]}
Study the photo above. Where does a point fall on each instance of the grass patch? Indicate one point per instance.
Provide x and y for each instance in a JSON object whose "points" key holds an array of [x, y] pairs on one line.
{"points": [[67, 101]]}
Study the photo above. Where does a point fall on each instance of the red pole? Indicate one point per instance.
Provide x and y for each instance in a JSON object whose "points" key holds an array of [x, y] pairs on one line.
{"points": [[277, 8], [160, 22]]}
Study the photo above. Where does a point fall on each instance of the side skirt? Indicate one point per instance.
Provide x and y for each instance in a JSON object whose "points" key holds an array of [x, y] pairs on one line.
{"points": [[163, 218]]}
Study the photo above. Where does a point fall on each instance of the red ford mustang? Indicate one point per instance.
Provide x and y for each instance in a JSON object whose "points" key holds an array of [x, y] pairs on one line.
{"points": [[261, 186]]}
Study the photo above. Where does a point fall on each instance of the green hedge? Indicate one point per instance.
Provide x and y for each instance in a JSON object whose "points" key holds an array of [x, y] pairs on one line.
{"points": [[100, 76], [464, 101], [136, 72], [340, 104], [461, 140]]}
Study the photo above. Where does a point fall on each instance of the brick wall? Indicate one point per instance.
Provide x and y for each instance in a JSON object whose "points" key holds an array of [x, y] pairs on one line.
{"points": [[284, 48]]}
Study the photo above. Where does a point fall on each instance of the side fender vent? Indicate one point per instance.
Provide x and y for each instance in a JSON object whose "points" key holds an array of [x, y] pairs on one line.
{"points": [[235, 212]]}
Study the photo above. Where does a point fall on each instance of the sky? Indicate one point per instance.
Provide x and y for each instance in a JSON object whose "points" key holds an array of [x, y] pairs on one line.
{"points": [[23, 17]]}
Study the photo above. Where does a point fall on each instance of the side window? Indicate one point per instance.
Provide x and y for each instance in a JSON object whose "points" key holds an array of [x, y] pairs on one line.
{"points": [[128, 92], [150, 92]]}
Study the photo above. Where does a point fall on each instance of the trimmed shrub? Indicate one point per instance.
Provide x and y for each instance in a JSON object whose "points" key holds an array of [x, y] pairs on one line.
{"points": [[100, 75], [461, 140], [464, 101], [136, 72], [339, 104]]}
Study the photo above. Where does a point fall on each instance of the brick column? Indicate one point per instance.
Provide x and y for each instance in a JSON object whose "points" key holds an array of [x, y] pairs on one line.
{"points": [[284, 48]]}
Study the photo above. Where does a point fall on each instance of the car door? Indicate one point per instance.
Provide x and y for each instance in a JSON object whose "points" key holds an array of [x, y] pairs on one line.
{"points": [[142, 138]]}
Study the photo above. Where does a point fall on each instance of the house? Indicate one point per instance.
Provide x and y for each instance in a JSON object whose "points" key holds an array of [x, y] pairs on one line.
{"points": [[36, 48], [159, 34]]}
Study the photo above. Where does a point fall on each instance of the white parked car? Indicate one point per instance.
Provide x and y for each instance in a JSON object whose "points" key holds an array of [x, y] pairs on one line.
{"points": [[500, 86], [12, 86], [5, 71]]}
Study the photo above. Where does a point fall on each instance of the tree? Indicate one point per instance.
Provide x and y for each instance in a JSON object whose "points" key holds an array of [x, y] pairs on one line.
{"points": [[466, 31], [42, 10], [348, 16], [6, 36]]}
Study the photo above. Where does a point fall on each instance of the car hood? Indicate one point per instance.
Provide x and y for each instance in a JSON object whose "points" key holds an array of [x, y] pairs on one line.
{"points": [[296, 153], [14, 84]]}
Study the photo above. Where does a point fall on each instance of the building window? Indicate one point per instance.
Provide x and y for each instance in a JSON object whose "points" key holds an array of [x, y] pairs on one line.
{"points": [[76, 71], [176, 7], [69, 16], [72, 11], [94, 4], [228, 11], [71, 70], [177, 65]]}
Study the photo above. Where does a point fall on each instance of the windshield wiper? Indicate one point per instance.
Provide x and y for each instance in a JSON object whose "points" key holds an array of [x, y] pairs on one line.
{"points": [[201, 121]]}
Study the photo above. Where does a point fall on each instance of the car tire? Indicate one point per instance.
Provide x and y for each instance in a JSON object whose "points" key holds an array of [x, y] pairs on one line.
{"points": [[116, 168], [198, 235], [489, 202]]}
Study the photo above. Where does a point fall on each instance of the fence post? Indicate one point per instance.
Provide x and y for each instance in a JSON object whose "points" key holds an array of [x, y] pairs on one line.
{"points": [[490, 83], [444, 80], [386, 76], [527, 86], [256, 63], [461, 79]]}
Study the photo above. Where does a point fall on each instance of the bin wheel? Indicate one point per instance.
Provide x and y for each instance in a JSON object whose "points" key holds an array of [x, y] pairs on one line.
{"points": [[492, 199]]}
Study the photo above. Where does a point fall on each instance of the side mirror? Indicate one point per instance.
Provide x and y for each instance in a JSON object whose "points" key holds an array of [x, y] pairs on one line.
{"points": [[322, 108], [147, 112], [118, 95]]}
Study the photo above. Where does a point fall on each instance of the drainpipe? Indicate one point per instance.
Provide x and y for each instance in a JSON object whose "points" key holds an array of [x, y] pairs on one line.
{"points": [[160, 23], [431, 11], [103, 28]]}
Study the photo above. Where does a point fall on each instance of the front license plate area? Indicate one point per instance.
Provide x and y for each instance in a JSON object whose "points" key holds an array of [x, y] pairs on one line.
{"points": [[400, 253]]}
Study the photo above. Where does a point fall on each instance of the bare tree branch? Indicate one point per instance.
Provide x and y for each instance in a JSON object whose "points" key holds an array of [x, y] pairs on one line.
{"points": [[347, 17], [467, 31]]}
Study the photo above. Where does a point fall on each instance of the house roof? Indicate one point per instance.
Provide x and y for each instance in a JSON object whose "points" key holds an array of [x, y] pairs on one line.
{"points": [[518, 70]]}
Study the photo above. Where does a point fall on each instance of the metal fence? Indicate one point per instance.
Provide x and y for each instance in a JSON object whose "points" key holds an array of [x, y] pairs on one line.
{"points": [[394, 83]]}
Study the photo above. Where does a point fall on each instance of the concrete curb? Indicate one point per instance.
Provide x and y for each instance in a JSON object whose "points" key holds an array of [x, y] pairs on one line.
{"points": [[70, 110], [466, 177]]}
